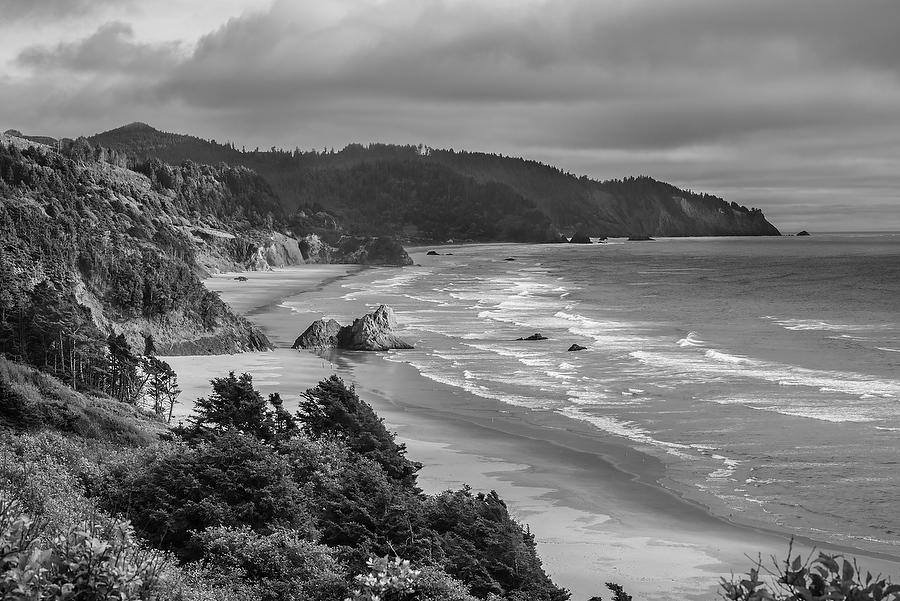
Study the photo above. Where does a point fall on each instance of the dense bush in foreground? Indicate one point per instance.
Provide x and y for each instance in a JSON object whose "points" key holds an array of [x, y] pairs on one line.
{"points": [[319, 493]]}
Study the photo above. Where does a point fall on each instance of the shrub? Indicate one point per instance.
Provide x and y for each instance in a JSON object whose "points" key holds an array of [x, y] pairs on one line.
{"points": [[331, 408], [280, 566], [227, 480], [75, 565], [826, 578]]}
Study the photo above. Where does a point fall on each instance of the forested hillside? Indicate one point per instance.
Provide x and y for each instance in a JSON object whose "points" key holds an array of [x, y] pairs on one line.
{"points": [[428, 194], [99, 263]]}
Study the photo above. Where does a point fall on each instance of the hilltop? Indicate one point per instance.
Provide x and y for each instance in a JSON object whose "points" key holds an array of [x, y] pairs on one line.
{"points": [[420, 193]]}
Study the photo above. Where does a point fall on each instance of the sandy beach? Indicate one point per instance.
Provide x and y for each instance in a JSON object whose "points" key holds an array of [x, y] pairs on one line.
{"points": [[595, 506]]}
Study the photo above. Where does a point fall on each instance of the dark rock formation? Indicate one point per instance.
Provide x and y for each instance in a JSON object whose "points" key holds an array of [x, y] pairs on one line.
{"points": [[371, 332], [338, 248], [241, 278], [580, 237], [803, 233], [433, 253], [576, 347], [639, 238], [509, 259], [535, 336], [320, 334]]}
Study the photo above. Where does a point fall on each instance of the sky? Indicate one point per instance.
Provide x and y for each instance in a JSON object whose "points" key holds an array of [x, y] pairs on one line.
{"points": [[789, 106]]}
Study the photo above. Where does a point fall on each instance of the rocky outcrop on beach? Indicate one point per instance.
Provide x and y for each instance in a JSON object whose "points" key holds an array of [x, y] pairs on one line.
{"points": [[371, 332], [320, 334], [535, 336], [576, 347]]}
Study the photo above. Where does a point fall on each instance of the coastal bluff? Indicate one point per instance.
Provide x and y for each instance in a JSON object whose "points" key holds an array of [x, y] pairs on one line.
{"points": [[371, 332]]}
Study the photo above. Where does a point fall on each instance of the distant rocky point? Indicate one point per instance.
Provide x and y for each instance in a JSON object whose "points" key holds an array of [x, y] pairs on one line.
{"points": [[371, 332], [580, 238]]}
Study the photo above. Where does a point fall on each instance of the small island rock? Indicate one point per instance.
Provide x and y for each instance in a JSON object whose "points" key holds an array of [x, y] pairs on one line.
{"points": [[535, 336], [432, 253], [577, 347], [803, 233]]}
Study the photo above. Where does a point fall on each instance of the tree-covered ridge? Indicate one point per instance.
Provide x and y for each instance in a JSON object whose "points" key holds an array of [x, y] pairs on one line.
{"points": [[90, 251], [467, 190]]}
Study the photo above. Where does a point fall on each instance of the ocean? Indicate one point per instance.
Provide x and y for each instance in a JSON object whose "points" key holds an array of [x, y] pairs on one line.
{"points": [[763, 372]]}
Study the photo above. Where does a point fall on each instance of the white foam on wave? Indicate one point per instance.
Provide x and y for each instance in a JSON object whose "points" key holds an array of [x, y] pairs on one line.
{"points": [[726, 471], [608, 333], [459, 381], [628, 430], [887, 349], [719, 366], [726, 358], [795, 324], [692, 339]]}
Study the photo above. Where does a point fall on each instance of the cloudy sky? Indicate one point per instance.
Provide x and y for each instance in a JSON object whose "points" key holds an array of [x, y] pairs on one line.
{"points": [[791, 106]]}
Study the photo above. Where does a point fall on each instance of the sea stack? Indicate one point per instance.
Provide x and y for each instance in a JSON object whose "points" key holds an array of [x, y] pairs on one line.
{"points": [[371, 332]]}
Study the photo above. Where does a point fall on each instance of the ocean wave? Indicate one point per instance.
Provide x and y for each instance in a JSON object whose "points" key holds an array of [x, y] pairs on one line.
{"points": [[720, 366], [796, 324], [726, 358], [692, 339], [628, 430]]}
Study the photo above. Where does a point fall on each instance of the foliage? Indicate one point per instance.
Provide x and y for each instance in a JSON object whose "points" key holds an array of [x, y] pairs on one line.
{"points": [[236, 405], [618, 592], [331, 408], [227, 479], [75, 565], [32, 401], [387, 580], [161, 386], [243, 473], [279, 566], [486, 548], [825, 578]]}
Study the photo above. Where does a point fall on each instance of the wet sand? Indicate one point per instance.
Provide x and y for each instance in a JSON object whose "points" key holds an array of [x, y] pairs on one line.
{"points": [[594, 505]]}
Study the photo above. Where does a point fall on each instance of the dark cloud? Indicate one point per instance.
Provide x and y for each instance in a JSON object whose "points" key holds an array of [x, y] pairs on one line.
{"points": [[14, 11], [111, 49], [757, 100]]}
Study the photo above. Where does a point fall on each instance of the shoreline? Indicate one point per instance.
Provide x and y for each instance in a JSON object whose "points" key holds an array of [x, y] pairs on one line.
{"points": [[596, 505]]}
